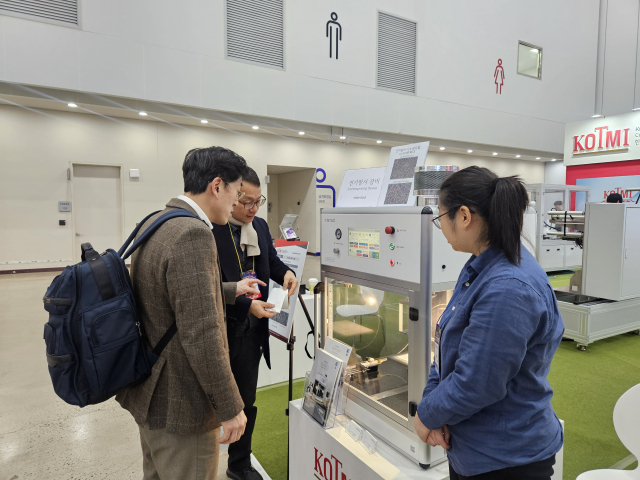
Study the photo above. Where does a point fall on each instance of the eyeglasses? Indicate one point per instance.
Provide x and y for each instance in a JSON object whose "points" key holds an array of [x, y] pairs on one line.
{"points": [[250, 205], [436, 221], [240, 195]]}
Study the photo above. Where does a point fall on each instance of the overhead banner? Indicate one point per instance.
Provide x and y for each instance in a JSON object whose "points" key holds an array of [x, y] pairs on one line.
{"points": [[397, 187], [602, 140]]}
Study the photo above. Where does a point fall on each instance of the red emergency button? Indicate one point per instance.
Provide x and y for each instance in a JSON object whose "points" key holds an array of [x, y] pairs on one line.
{"points": [[389, 230], [391, 263]]}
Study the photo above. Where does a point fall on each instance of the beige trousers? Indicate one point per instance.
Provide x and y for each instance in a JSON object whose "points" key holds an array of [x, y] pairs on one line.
{"points": [[179, 457]]}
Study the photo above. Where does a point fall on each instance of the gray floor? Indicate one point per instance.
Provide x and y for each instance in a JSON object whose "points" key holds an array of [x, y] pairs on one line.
{"points": [[41, 437]]}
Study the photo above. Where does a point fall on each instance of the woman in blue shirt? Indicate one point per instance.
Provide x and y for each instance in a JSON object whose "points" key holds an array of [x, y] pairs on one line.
{"points": [[487, 400]]}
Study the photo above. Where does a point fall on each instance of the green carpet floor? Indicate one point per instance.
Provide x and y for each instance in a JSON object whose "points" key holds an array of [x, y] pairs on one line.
{"points": [[586, 387]]}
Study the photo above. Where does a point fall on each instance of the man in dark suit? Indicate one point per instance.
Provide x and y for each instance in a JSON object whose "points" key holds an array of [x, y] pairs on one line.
{"points": [[245, 245]]}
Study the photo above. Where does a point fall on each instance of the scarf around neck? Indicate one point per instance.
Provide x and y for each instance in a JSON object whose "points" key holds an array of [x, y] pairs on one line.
{"points": [[248, 237]]}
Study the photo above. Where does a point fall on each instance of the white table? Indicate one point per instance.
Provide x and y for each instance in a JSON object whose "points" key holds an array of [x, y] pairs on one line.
{"points": [[319, 454]]}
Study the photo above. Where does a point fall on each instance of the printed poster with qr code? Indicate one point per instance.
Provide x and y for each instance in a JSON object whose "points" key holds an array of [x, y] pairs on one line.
{"points": [[397, 186]]}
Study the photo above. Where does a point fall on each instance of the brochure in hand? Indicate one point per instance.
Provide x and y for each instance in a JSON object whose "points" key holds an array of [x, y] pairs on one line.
{"points": [[323, 386]]}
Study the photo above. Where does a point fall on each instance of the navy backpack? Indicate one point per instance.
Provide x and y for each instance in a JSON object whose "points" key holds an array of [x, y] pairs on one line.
{"points": [[95, 343]]}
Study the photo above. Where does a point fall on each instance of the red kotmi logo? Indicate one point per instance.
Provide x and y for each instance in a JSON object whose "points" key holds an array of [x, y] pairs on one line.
{"points": [[326, 468], [602, 140]]}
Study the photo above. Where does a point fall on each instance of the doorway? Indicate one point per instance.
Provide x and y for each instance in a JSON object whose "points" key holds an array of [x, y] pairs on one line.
{"points": [[97, 207]]}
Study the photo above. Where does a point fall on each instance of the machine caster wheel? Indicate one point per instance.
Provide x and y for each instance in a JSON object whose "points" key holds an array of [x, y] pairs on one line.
{"points": [[424, 467], [581, 347]]}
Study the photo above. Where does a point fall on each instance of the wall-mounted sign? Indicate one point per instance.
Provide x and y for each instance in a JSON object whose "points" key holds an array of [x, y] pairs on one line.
{"points": [[602, 140], [333, 25], [498, 77], [64, 206]]}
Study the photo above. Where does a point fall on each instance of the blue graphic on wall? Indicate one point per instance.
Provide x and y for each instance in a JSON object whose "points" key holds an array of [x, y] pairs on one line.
{"points": [[601, 187]]}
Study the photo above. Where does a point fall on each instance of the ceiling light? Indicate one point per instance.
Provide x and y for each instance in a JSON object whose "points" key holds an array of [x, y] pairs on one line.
{"points": [[441, 148], [537, 158], [342, 137], [144, 114], [378, 141], [204, 121], [495, 153], [72, 105], [597, 115], [518, 156], [553, 159], [635, 109], [469, 151], [300, 132], [534, 50], [255, 127]]}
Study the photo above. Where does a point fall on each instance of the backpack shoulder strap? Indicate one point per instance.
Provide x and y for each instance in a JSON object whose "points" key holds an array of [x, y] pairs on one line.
{"points": [[178, 212], [135, 232]]}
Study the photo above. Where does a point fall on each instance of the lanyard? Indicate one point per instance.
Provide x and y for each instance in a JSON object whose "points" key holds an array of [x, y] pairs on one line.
{"points": [[237, 254]]}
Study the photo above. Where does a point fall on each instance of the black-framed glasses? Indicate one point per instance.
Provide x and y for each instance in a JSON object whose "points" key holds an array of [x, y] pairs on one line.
{"points": [[259, 203], [436, 221]]}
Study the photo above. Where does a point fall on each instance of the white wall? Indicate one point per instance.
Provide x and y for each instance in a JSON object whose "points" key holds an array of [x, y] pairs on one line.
{"points": [[300, 187], [555, 173], [38, 146], [271, 191], [173, 52]]}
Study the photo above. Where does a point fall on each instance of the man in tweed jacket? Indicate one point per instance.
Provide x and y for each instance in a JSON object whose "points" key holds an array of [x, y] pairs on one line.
{"points": [[176, 277]]}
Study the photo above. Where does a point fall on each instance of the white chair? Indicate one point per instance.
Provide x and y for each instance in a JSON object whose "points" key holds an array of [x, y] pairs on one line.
{"points": [[373, 299], [626, 421]]}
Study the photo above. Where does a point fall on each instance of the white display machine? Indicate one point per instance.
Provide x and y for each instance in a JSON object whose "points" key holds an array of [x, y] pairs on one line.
{"points": [[552, 253], [387, 275], [604, 300]]}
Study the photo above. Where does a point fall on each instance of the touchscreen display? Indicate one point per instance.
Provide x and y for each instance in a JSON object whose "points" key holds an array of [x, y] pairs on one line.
{"points": [[364, 243]]}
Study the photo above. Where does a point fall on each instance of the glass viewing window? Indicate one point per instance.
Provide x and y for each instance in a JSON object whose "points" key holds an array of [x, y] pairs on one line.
{"points": [[529, 60]]}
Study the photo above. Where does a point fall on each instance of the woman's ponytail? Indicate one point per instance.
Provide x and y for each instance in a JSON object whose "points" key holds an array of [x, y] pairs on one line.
{"points": [[507, 206], [501, 202]]}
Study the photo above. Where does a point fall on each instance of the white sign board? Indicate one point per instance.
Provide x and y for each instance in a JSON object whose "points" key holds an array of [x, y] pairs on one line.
{"points": [[397, 187], [361, 187], [64, 206], [602, 140], [293, 256]]}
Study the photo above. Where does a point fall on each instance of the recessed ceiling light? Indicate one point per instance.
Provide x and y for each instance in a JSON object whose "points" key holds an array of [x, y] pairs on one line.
{"points": [[204, 121], [495, 153], [635, 109], [537, 158], [255, 127], [469, 151], [518, 156], [378, 141], [597, 115], [342, 137], [300, 132], [144, 114], [72, 105], [553, 159], [441, 148]]}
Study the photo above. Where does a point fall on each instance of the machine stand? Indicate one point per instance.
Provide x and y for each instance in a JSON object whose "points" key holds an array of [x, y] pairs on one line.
{"points": [[424, 467]]}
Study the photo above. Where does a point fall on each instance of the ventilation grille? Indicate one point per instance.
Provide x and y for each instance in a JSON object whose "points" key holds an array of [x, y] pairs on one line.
{"points": [[255, 31], [51, 11], [396, 53]]}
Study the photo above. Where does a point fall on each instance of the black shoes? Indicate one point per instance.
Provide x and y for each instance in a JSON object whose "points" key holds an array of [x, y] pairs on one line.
{"points": [[246, 474]]}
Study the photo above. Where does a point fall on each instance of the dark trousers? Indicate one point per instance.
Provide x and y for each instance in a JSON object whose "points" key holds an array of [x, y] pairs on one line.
{"points": [[245, 353], [542, 470]]}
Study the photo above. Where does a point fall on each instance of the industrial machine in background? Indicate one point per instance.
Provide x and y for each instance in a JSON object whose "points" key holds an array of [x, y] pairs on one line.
{"points": [[603, 299], [387, 276], [540, 229]]}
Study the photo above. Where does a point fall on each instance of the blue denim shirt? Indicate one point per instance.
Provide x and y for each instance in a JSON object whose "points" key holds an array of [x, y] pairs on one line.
{"points": [[496, 350]]}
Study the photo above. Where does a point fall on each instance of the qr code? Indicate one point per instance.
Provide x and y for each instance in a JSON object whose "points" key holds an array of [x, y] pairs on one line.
{"points": [[281, 318], [403, 168], [397, 194]]}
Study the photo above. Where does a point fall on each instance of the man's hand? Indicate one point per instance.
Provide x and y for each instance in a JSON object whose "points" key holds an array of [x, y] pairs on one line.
{"points": [[258, 309], [233, 429], [247, 285], [290, 282]]}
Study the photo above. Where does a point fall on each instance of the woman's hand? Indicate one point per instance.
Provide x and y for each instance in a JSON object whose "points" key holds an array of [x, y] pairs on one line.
{"points": [[440, 436]]}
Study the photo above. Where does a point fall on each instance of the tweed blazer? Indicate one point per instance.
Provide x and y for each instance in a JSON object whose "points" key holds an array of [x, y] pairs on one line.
{"points": [[176, 276]]}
